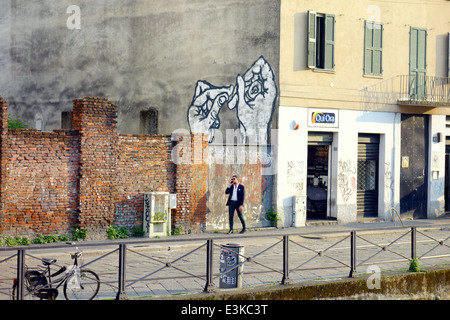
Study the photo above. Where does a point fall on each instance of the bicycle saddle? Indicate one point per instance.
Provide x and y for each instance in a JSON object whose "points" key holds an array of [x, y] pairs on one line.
{"points": [[48, 262]]}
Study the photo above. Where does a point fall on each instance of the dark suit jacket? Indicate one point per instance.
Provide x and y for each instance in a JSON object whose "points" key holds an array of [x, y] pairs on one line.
{"points": [[240, 194]]}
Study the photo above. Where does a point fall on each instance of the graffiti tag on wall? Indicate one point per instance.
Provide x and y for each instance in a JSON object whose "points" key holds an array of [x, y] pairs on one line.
{"points": [[253, 96], [346, 179], [295, 175]]}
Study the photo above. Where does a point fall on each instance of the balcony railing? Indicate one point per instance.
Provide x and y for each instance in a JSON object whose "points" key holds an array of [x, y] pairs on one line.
{"points": [[408, 90]]}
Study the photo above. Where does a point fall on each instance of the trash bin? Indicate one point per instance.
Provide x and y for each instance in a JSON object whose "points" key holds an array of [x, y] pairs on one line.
{"points": [[231, 265]]}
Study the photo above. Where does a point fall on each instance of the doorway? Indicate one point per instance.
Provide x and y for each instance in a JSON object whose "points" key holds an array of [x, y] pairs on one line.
{"points": [[414, 166], [318, 176], [368, 163]]}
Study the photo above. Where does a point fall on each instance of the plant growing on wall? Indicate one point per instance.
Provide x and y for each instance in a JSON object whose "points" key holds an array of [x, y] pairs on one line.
{"points": [[114, 232], [39, 239], [137, 232], [272, 215], [14, 122], [177, 231], [79, 234]]}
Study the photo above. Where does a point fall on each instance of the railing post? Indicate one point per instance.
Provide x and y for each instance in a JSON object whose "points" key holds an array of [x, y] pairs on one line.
{"points": [[352, 254], [413, 243], [209, 287], [20, 273], [286, 279], [121, 294]]}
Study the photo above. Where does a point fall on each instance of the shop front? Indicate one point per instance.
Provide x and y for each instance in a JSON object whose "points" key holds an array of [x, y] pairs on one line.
{"points": [[343, 162]]}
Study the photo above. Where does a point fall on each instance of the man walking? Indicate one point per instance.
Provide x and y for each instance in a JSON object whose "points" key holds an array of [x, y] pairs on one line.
{"points": [[235, 201]]}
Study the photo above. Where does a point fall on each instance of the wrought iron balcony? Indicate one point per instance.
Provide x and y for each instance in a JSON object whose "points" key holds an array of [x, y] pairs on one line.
{"points": [[408, 90]]}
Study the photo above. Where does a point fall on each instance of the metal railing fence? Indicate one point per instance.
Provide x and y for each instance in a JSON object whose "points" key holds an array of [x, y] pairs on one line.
{"points": [[408, 89], [351, 251]]}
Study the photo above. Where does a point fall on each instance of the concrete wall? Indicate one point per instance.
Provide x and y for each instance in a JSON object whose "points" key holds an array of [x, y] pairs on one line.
{"points": [[139, 54]]}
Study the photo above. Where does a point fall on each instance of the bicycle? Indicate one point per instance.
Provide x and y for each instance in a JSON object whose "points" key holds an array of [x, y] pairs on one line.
{"points": [[79, 284]]}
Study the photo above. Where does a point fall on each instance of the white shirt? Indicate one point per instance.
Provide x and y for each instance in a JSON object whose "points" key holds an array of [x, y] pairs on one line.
{"points": [[234, 193]]}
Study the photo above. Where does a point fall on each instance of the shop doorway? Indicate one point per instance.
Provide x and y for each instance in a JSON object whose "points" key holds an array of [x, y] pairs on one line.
{"points": [[318, 178], [368, 163], [414, 166]]}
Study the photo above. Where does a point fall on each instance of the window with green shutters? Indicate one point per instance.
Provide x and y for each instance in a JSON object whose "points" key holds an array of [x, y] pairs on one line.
{"points": [[320, 41], [373, 48]]}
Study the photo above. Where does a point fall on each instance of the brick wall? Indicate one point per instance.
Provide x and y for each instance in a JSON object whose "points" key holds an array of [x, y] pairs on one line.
{"points": [[41, 181], [191, 185], [95, 120], [91, 176], [143, 166], [3, 158]]}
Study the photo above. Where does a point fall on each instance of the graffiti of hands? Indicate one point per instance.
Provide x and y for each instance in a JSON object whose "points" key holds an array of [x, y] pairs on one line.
{"points": [[203, 114], [254, 99]]}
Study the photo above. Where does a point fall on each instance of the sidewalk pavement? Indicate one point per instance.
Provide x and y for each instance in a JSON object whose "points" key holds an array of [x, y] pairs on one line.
{"points": [[177, 248], [315, 229]]}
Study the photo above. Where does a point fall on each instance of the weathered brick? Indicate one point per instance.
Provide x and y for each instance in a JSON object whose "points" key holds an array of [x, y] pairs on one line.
{"points": [[91, 176]]}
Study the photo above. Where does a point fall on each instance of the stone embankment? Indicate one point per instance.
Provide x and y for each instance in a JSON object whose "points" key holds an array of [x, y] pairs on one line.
{"points": [[433, 284]]}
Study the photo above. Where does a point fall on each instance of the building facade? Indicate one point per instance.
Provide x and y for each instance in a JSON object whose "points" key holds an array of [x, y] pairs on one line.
{"points": [[364, 98], [147, 57], [325, 110]]}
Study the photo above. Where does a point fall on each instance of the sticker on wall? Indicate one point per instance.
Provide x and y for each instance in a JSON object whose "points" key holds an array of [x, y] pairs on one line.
{"points": [[405, 162], [253, 96], [435, 161]]}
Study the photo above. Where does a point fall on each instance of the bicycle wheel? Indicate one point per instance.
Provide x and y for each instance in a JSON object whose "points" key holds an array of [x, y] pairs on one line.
{"points": [[26, 294], [89, 286], [33, 279]]}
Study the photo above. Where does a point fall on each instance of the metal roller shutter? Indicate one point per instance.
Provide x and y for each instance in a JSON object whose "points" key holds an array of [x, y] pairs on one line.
{"points": [[367, 190]]}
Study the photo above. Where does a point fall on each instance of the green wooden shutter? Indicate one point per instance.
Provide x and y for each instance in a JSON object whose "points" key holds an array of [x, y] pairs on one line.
{"points": [[373, 48], [417, 63], [368, 50], [329, 41], [378, 49], [312, 37], [448, 62]]}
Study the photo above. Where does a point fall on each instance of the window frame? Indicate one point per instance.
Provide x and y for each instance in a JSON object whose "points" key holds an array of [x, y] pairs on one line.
{"points": [[326, 40]]}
